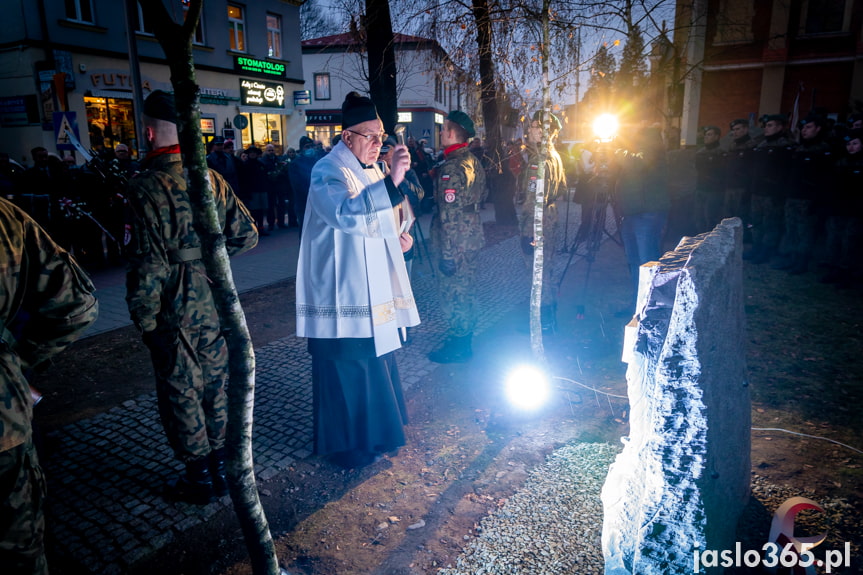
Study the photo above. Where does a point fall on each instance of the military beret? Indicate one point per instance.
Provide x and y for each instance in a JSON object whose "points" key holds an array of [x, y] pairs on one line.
{"points": [[813, 118], [305, 141], [390, 142], [774, 118], [738, 121], [463, 120], [159, 105], [856, 134], [357, 109], [712, 129], [218, 140], [554, 121]]}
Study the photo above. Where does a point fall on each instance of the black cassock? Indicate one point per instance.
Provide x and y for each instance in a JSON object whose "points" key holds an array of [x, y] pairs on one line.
{"points": [[358, 402]]}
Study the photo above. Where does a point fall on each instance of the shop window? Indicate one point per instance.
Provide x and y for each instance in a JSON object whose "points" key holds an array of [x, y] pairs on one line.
{"points": [[110, 121], [199, 31], [274, 36], [322, 86], [80, 10], [826, 16], [236, 28]]}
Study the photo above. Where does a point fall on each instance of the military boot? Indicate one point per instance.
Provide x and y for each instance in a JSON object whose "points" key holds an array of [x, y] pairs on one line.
{"points": [[548, 318], [218, 472], [453, 350], [195, 485]]}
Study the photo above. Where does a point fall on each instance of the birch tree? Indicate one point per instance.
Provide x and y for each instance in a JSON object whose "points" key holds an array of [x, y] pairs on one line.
{"points": [[176, 41]]}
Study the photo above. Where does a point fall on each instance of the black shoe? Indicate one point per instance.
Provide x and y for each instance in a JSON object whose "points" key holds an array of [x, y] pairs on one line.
{"points": [[453, 350], [195, 486], [783, 264], [218, 472]]}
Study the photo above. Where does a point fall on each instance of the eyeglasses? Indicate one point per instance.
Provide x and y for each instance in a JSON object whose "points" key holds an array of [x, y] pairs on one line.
{"points": [[379, 138]]}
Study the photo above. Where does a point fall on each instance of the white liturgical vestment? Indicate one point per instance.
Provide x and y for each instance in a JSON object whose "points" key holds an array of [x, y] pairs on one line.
{"points": [[351, 275]]}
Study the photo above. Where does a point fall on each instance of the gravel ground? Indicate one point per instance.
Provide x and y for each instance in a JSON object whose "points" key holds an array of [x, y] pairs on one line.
{"points": [[553, 524]]}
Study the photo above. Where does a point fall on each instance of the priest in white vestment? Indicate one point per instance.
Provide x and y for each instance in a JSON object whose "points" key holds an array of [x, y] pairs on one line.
{"points": [[353, 292]]}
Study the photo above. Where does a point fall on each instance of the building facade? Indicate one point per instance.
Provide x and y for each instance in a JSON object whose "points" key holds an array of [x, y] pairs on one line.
{"points": [[65, 64], [743, 59], [429, 84]]}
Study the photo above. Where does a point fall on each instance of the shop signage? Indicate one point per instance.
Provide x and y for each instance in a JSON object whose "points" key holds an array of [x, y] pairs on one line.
{"points": [[258, 93], [19, 110], [302, 97], [323, 118], [259, 67], [208, 126]]}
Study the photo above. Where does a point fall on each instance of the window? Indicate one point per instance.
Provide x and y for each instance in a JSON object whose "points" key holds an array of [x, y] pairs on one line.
{"points": [[322, 86], [236, 28], [825, 16], [80, 10], [274, 36], [141, 24], [734, 22], [199, 31]]}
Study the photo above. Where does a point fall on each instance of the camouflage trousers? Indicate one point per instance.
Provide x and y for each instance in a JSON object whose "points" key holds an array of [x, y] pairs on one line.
{"points": [[766, 219], [549, 250], [801, 224], [22, 519], [844, 242], [458, 295], [191, 373]]}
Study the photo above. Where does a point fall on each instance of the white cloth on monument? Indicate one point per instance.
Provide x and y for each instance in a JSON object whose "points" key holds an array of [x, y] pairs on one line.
{"points": [[351, 275]]}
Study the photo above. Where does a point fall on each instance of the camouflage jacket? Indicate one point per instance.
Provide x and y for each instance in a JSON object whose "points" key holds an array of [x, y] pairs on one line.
{"points": [[46, 302], [554, 182], [459, 191], [166, 283]]}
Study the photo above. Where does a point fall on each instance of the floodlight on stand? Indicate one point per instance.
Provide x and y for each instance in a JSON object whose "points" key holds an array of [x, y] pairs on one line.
{"points": [[527, 387], [605, 127]]}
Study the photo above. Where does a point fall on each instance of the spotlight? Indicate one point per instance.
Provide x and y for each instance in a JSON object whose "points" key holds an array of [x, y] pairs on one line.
{"points": [[527, 388], [605, 127]]}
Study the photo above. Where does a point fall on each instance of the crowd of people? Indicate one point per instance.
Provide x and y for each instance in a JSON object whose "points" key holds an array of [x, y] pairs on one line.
{"points": [[795, 187]]}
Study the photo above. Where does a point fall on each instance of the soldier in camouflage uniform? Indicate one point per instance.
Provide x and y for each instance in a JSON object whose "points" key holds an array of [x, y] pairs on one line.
{"points": [[170, 302], [46, 302], [770, 163], [554, 186], [457, 235]]}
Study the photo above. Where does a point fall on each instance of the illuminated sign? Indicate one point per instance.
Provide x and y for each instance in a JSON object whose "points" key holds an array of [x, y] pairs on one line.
{"points": [[405, 117], [302, 97], [438, 118], [258, 93], [208, 125], [261, 67]]}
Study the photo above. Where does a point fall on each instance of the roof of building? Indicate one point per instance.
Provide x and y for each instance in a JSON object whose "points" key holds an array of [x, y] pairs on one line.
{"points": [[349, 39]]}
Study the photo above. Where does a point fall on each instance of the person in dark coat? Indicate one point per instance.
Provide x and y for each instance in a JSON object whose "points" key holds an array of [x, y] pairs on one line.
{"points": [[300, 175]]}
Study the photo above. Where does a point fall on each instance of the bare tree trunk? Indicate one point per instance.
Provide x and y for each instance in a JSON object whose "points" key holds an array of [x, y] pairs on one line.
{"points": [[176, 42], [382, 61], [539, 200], [488, 82]]}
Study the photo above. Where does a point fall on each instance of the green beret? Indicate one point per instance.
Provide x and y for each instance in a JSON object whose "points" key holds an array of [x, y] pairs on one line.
{"points": [[775, 118], [554, 121], [160, 106], [742, 121], [463, 120]]}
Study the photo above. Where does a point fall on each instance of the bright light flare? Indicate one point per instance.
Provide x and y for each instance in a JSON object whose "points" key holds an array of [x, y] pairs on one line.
{"points": [[605, 126], [528, 387]]}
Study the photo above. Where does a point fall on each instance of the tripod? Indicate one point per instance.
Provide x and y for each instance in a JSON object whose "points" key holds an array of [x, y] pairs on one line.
{"points": [[593, 229]]}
